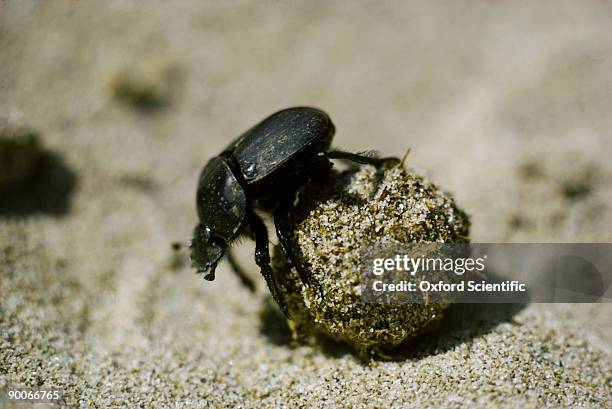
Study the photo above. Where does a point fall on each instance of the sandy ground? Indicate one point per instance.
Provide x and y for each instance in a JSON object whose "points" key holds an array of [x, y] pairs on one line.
{"points": [[507, 105]]}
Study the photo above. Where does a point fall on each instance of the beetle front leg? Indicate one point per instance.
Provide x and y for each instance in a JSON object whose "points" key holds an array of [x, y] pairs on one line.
{"points": [[281, 221], [262, 259], [361, 158]]}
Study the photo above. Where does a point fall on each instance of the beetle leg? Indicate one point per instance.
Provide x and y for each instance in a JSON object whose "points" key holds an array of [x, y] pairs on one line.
{"points": [[360, 158], [262, 259], [242, 276], [281, 221]]}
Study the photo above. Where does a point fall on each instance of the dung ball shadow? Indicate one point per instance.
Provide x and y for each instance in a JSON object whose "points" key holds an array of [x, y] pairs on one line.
{"points": [[461, 323]]}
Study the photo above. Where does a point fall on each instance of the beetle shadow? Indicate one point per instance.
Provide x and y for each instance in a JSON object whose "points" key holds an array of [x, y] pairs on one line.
{"points": [[274, 327], [48, 191]]}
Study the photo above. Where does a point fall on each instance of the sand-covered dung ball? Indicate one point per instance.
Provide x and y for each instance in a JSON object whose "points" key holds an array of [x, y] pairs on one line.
{"points": [[19, 153], [330, 223]]}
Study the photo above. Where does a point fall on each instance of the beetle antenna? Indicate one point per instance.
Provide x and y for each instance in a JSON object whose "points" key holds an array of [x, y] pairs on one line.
{"points": [[401, 164]]}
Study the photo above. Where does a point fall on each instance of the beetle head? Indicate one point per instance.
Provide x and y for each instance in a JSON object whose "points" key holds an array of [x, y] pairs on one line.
{"points": [[206, 251]]}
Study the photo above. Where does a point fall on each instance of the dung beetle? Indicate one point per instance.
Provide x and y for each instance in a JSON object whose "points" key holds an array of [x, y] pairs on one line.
{"points": [[263, 169]]}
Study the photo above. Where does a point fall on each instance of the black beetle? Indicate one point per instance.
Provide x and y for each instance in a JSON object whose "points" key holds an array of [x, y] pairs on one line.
{"points": [[263, 168]]}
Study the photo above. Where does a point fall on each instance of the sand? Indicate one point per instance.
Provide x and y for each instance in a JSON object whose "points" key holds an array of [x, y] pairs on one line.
{"points": [[506, 106]]}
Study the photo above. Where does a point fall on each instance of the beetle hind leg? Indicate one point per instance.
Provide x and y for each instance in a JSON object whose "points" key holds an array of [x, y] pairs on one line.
{"points": [[365, 158]]}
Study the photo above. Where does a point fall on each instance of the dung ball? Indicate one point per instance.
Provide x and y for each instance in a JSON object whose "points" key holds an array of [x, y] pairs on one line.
{"points": [[329, 224]]}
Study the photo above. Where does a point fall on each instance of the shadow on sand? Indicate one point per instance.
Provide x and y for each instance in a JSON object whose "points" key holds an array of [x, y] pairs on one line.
{"points": [[49, 190], [462, 323]]}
